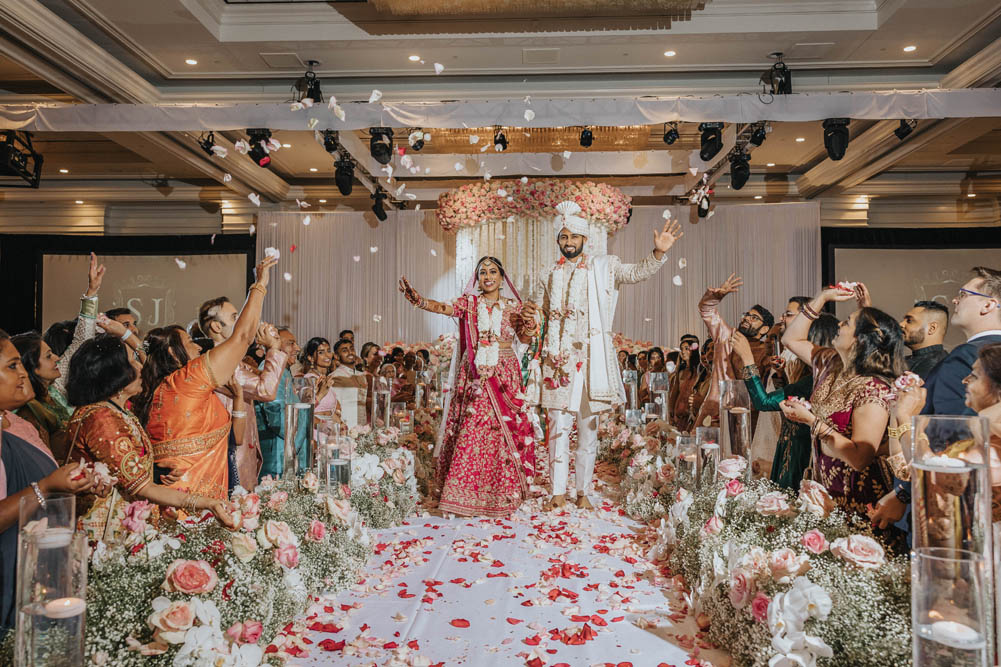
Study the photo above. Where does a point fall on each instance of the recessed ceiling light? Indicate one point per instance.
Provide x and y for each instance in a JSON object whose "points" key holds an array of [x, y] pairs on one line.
{"points": [[286, 145], [800, 140], [64, 171], [322, 201], [414, 59], [757, 196], [79, 201], [191, 61], [670, 54], [971, 194], [861, 199], [313, 169], [910, 48], [770, 164]]}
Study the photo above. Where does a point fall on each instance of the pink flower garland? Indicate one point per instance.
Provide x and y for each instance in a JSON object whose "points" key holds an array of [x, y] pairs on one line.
{"points": [[483, 202]]}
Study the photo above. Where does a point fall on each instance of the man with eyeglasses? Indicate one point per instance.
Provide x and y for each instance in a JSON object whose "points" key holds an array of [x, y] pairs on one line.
{"points": [[754, 325]]}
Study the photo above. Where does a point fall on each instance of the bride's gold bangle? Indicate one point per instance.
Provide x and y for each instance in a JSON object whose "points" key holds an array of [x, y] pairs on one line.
{"points": [[898, 431]]}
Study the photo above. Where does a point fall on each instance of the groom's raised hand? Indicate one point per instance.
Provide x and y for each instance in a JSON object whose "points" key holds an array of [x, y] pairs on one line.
{"points": [[665, 238]]}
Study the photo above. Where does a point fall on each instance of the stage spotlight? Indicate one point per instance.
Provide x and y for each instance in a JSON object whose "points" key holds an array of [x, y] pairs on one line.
{"points": [[777, 79], [258, 153], [344, 175], [758, 134], [500, 140], [703, 206], [712, 140], [670, 135], [207, 142], [308, 85], [905, 128], [836, 137], [416, 139], [330, 141], [586, 138], [740, 170], [18, 158], [380, 144], [377, 207]]}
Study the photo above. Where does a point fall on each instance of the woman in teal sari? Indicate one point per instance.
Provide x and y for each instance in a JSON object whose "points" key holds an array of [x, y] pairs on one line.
{"points": [[792, 450]]}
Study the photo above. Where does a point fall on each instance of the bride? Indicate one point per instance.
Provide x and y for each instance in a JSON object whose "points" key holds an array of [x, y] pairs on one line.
{"points": [[486, 450]]}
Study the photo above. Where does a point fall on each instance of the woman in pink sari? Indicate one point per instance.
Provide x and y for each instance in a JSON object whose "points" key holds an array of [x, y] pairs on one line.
{"points": [[486, 447]]}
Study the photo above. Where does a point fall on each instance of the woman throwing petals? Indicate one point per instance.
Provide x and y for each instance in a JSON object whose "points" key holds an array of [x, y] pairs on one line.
{"points": [[486, 450]]}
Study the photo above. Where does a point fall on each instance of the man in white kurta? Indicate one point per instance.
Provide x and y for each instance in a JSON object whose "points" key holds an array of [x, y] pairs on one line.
{"points": [[580, 372]]}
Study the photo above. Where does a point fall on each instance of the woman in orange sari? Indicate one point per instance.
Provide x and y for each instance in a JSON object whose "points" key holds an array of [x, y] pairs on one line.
{"points": [[187, 423]]}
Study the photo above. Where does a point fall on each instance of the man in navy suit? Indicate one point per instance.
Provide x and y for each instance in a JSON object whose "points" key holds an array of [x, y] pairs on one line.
{"points": [[977, 311]]}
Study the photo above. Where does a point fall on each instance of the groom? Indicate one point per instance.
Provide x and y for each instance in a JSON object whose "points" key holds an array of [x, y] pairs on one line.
{"points": [[580, 374]]}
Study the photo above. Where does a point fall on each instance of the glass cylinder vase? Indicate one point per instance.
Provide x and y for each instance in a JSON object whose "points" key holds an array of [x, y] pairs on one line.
{"points": [[51, 587], [300, 399], [949, 616], [659, 388], [707, 462], [735, 420], [631, 381], [688, 454]]}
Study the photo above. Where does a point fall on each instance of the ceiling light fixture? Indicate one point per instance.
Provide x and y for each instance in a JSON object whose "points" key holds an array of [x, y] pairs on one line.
{"points": [[414, 59], [758, 134], [79, 201], [757, 196], [380, 144], [770, 164], [314, 169], [207, 143], [777, 79], [740, 169], [800, 140], [670, 133], [258, 151], [416, 139], [378, 208], [322, 201], [586, 138], [836, 137], [191, 61], [344, 176], [308, 85], [703, 206], [670, 54], [910, 48], [500, 141], [64, 171], [712, 140], [905, 128], [18, 158], [971, 194], [286, 145], [330, 138]]}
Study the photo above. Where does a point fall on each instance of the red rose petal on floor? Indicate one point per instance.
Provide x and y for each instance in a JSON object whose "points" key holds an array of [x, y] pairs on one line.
{"points": [[412, 644], [404, 594], [460, 580], [526, 603], [624, 664], [532, 641], [459, 623], [514, 621], [331, 645], [599, 621], [535, 662], [390, 645], [577, 618], [618, 618]]}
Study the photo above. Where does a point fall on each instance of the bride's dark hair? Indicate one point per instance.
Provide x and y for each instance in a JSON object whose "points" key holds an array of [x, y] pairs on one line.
{"points": [[487, 258]]}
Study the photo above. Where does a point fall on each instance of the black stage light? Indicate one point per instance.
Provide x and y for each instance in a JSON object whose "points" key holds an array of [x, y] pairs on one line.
{"points": [[905, 128], [777, 79], [670, 135], [377, 207], [836, 137], [380, 144], [207, 142], [703, 206], [257, 138], [308, 85], [586, 138], [18, 158], [712, 140], [740, 170], [417, 143], [330, 141], [758, 135], [344, 175], [500, 140]]}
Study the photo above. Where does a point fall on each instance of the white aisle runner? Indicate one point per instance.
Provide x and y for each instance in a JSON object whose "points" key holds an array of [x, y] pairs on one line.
{"points": [[572, 589]]}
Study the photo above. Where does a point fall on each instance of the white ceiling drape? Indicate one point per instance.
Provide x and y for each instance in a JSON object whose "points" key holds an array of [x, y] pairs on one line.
{"points": [[775, 247]]}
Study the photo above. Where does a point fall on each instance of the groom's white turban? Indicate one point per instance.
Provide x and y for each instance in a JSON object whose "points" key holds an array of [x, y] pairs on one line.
{"points": [[567, 216]]}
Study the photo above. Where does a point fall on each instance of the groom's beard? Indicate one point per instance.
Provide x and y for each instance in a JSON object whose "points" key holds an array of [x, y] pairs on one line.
{"points": [[571, 252]]}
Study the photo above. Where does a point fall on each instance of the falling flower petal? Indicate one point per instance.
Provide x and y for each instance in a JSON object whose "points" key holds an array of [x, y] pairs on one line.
{"points": [[181, 264], [226, 178], [438, 68], [357, 258], [375, 96], [292, 247], [666, 214], [524, 179], [648, 319], [485, 147], [676, 280], [459, 166], [273, 144], [373, 249], [434, 253], [693, 170], [501, 192], [212, 240], [313, 122], [487, 176], [377, 318], [711, 214], [399, 190], [474, 139], [287, 276], [306, 221], [339, 112], [417, 208], [332, 102], [253, 228], [242, 146], [254, 197], [272, 252], [529, 115], [566, 155], [302, 204], [682, 263], [221, 151], [297, 106]]}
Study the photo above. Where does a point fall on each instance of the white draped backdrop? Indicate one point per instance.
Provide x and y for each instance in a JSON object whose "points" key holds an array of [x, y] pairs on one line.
{"points": [[775, 247]]}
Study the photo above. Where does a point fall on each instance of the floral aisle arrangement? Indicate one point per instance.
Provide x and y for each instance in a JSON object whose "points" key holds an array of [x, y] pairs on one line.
{"points": [[495, 201], [195, 593], [383, 486]]}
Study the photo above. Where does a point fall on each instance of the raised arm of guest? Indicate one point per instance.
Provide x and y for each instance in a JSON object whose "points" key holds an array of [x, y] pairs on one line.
{"points": [[796, 336], [719, 330], [224, 358], [86, 323]]}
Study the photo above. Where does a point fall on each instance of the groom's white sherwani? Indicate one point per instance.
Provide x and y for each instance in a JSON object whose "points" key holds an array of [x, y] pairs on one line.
{"points": [[580, 371]]}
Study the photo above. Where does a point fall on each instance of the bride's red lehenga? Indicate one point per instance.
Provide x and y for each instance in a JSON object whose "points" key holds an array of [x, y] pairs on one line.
{"points": [[486, 455]]}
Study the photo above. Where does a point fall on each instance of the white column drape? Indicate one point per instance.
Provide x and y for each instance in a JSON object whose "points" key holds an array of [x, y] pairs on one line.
{"points": [[774, 247]]}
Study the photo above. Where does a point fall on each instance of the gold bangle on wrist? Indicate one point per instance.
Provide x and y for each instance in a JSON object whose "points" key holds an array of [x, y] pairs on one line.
{"points": [[260, 288], [898, 431]]}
